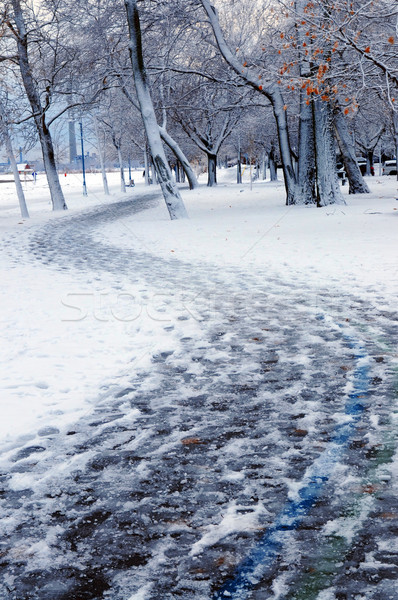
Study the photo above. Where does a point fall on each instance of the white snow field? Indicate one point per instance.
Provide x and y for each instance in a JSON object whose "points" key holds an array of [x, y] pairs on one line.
{"points": [[292, 309]]}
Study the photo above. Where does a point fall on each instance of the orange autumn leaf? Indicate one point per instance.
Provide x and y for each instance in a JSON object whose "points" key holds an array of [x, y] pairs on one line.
{"points": [[189, 441], [367, 49], [260, 87], [391, 39], [369, 489]]}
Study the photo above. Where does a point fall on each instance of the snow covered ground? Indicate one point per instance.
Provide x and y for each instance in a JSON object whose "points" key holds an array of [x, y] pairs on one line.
{"points": [[63, 336], [113, 300]]}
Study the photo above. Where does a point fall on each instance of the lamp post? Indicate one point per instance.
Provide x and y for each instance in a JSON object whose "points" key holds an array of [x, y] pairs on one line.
{"points": [[83, 165]]}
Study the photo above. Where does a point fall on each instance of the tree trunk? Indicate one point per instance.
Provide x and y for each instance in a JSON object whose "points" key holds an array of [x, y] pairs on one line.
{"points": [[272, 164], [306, 177], [21, 196], [72, 142], [101, 157], [183, 174], [171, 194], [10, 154], [239, 167], [172, 144], [306, 180], [264, 166], [357, 184], [153, 176], [284, 145], [176, 170], [369, 162], [328, 187], [57, 197], [211, 170], [122, 179], [146, 167], [395, 125]]}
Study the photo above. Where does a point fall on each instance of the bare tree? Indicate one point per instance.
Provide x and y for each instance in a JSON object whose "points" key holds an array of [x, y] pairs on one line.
{"points": [[171, 194], [208, 119], [269, 89], [18, 28]]}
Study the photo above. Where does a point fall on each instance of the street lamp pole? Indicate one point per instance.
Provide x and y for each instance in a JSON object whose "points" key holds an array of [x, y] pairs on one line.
{"points": [[83, 165]]}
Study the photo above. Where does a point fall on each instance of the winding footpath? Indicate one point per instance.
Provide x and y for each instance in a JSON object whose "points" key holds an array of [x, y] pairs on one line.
{"points": [[252, 460]]}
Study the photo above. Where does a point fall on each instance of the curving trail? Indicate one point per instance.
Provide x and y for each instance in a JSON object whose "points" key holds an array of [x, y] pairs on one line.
{"points": [[170, 484]]}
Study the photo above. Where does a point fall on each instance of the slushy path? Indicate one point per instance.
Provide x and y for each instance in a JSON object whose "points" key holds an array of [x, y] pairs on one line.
{"points": [[173, 482]]}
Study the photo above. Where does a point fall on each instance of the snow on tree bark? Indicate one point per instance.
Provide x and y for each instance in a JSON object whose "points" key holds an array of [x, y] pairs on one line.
{"points": [[171, 194], [101, 157], [328, 186], [39, 113], [271, 91], [279, 109], [172, 144], [10, 154], [357, 184], [306, 180]]}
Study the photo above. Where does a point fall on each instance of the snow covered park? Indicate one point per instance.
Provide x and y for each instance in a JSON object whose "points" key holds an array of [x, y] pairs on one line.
{"points": [[172, 392]]}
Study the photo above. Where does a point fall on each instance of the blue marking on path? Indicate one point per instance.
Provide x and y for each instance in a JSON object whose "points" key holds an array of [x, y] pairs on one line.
{"points": [[261, 558]]}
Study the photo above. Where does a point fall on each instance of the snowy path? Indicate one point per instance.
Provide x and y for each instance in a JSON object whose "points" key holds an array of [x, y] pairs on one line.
{"points": [[166, 485]]}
